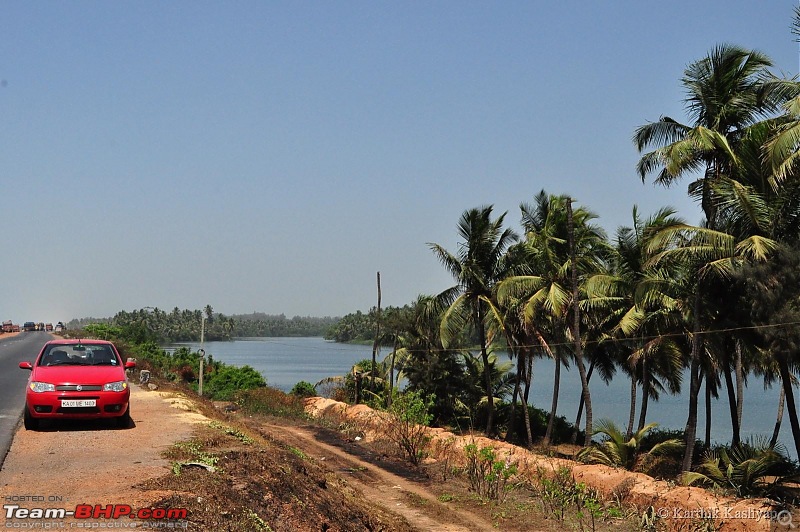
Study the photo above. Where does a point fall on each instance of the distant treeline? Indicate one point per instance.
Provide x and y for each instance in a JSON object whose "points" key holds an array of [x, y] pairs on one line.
{"points": [[185, 325], [260, 324]]}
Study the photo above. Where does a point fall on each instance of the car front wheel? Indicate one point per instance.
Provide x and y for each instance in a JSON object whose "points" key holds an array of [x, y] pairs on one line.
{"points": [[124, 421], [31, 423]]}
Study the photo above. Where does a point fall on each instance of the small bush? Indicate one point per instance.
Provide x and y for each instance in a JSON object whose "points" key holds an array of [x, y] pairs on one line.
{"points": [[559, 493], [304, 389], [406, 424], [488, 476], [227, 380]]}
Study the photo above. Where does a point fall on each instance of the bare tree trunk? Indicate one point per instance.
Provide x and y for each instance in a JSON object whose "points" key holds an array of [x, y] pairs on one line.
{"points": [[357, 377], [377, 336], [391, 373], [781, 400]]}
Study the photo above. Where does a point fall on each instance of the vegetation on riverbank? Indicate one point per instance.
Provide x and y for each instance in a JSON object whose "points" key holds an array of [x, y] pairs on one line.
{"points": [[721, 298], [152, 323]]}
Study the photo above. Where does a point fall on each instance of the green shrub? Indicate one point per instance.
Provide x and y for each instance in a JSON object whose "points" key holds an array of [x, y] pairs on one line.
{"points": [[750, 468], [407, 421], [304, 389], [226, 380], [488, 476], [617, 450]]}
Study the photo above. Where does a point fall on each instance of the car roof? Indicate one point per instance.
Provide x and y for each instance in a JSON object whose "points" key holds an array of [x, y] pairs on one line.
{"points": [[78, 341]]}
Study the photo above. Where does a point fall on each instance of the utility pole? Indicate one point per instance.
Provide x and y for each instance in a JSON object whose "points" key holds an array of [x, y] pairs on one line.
{"points": [[375, 344], [202, 355]]}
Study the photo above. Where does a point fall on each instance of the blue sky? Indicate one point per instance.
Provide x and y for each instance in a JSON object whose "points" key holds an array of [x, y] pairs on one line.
{"points": [[272, 156]]}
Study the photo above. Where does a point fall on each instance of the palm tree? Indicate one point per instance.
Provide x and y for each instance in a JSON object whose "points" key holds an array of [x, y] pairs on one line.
{"points": [[546, 288], [772, 290], [708, 254], [641, 315], [726, 92], [477, 267]]}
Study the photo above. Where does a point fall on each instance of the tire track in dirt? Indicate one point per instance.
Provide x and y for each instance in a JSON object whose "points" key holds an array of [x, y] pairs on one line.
{"points": [[417, 505]]}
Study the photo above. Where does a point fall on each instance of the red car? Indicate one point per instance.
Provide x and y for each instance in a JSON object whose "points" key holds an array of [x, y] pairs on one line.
{"points": [[77, 379]]}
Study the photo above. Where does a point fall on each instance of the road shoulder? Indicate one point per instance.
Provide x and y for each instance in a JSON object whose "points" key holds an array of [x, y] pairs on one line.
{"points": [[94, 463]]}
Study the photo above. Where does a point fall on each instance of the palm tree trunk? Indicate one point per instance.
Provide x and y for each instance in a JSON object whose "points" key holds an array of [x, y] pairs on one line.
{"points": [[632, 413], [577, 425], [556, 385], [779, 420], [690, 431], [739, 372], [487, 374], [512, 416], [645, 394], [528, 380], [708, 411], [786, 377], [732, 400]]}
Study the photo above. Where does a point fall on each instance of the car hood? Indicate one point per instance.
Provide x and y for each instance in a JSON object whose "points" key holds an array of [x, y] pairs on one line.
{"points": [[78, 374]]}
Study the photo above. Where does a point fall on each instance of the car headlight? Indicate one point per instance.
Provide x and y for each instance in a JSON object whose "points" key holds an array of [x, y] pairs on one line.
{"points": [[42, 387], [118, 386]]}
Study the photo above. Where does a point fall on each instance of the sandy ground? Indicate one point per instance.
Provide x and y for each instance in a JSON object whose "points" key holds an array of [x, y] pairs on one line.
{"points": [[64, 465]]}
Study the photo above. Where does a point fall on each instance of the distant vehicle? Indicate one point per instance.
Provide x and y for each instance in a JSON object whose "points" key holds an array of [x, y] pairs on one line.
{"points": [[48, 327], [40, 326], [60, 327], [77, 379], [29, 326], [15, 327], [8, 326]]}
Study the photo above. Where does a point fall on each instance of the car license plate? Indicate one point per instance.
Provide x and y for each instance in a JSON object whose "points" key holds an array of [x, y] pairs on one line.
{"points": [[78, 403]]}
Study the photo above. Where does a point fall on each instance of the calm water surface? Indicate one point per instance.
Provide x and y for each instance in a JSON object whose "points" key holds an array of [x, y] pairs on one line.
{"points": [[285, 361]]}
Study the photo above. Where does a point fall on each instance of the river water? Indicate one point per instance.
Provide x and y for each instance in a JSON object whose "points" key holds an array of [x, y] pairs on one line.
{"points": [[285, 361]]}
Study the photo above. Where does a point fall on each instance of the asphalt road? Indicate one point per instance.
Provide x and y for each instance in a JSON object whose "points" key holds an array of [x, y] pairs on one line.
{"points": [[19, 348]]}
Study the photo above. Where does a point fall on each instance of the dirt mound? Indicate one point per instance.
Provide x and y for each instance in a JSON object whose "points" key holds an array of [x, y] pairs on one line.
{"points": [[675, 506], [265, 487]]}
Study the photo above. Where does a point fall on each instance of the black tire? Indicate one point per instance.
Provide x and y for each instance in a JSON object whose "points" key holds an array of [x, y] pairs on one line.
{"points": [[124, 421], [31, 423]]}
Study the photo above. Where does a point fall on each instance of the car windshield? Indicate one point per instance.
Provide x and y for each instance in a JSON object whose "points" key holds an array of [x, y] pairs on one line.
{"points": [[78, 355]]}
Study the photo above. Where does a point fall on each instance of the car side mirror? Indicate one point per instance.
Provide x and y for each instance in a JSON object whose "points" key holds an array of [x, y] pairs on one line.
{"points": [[130, 363], [25, 365]]}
